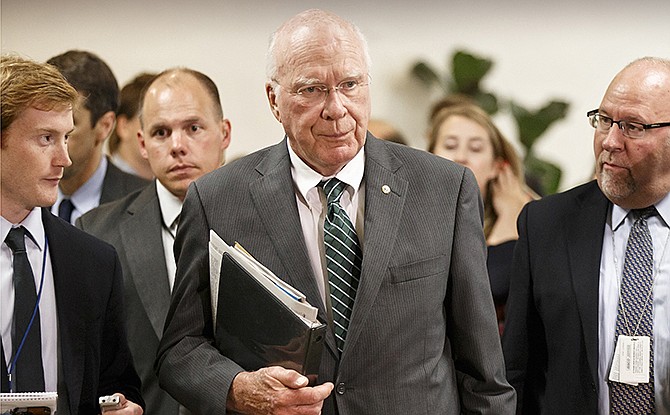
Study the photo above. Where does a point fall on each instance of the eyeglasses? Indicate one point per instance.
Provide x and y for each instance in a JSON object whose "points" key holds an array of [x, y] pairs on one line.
{"points": [[317, 93], [628, 128]]}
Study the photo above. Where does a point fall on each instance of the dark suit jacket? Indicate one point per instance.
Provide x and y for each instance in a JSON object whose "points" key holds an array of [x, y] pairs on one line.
{"points": [[133, 225], [551, 333], [118, 184], [422, 337], [95, 359]]}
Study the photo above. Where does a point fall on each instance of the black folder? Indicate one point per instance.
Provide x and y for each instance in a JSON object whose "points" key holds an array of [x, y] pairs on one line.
{"points": [[257, 329]]}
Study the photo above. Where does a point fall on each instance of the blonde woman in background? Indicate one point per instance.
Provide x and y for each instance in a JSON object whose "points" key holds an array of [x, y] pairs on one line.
{"points": [[466, 134]]}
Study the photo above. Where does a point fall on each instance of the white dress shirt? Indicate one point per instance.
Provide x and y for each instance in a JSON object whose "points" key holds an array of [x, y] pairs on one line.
{"points": [[87, 196], [170, 210], [312, 209], [37, 256], [618, 227]]}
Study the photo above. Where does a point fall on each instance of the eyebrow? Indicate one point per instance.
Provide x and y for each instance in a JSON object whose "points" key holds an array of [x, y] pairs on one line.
{"points": [[52, 131], [313, 81], [469, 138], [186, 121]]}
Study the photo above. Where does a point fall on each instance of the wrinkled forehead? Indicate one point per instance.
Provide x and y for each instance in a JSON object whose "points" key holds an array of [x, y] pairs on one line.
{"points": [[327, 47]]}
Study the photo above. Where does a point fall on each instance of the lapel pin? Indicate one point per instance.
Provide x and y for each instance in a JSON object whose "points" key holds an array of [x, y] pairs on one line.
{"points": [[386, 189]]}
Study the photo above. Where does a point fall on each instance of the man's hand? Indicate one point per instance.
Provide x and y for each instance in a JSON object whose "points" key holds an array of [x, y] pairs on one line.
{"points": [[276, 391], [125, 407]]}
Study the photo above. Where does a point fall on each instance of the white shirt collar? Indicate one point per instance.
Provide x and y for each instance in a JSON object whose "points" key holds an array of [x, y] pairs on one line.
{"points": [[305, 178], [32, 222], [169, 203], [88, 195], [619, 214]]}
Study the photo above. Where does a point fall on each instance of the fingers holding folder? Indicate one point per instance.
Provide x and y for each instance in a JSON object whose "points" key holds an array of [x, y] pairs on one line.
{"points": [[275, 390]]}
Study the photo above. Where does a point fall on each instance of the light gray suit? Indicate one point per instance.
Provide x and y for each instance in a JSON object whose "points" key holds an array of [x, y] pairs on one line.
{"points": [[133, 226], [422, 337]]}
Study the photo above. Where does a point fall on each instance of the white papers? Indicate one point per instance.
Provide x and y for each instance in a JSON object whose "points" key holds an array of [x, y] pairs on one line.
{"points": [[10, 401], [631, 360], [293, 298]]}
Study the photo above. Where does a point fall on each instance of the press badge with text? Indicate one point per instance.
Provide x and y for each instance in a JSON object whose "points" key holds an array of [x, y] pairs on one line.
{"points": [[631, 360]]}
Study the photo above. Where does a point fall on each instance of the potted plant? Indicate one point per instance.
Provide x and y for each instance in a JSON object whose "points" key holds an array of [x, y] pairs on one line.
{"points": [[463, 78]]}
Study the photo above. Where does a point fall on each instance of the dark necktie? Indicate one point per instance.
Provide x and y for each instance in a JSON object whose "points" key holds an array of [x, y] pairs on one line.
{"points": [[343, 259], [635, 313], [65, 209], [27, 372]]}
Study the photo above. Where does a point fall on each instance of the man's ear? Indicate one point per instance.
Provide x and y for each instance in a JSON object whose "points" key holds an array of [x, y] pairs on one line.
{"points": [[122, 126], [272, 100], [143, 148], [104, 126], [225, 132]]}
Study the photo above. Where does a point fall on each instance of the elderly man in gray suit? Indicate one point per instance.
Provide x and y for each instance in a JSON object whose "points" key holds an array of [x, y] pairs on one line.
{"points": [[184, 135], [416, 331]]}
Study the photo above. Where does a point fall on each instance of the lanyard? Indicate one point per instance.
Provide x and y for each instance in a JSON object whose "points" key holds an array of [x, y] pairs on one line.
{"points": [[12, 364], [619, 274]]}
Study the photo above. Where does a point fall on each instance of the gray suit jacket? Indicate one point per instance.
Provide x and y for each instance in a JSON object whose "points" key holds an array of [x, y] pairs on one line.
{"points": [[118, 184], [423, 336], [133, 226]]}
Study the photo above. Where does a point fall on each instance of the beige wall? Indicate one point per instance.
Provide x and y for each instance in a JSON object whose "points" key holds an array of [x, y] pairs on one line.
{"points": [[568, 50]]}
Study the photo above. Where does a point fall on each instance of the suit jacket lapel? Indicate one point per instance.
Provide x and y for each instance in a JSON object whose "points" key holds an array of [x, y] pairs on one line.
{"points": [[382, 210], [584, 258], [71, 323], [278, 210], [141, 238]]}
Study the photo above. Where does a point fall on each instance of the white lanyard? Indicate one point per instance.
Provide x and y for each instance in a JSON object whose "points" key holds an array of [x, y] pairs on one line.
{"points": [[619, 275]]}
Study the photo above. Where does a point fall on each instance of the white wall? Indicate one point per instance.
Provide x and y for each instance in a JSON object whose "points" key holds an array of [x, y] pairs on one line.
{"points": [[567, 50]]}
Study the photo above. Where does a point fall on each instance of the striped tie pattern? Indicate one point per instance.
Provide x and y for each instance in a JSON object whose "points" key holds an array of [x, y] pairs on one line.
{"points": [[634, 314], [343, 259]]}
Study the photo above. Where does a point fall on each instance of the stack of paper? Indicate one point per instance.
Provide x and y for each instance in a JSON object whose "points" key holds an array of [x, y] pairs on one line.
{"points": [[259, 319]]}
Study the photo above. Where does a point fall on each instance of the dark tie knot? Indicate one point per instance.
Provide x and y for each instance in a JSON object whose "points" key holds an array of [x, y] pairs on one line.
{"points": [[333, 189], [16, 240], [644, 213], [65, 209]]}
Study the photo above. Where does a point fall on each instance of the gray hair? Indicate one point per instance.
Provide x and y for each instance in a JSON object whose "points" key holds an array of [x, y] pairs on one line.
{"points": [[310, 18], [650, 60]]}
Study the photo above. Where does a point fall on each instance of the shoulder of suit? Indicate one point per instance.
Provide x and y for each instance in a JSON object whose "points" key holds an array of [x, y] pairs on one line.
{"points": [[243, 169], [130, 181], [569, 201], [77, 241], [111, 212]]}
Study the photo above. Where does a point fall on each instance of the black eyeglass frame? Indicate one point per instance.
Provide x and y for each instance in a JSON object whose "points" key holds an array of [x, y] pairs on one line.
{"points": [[618, 122]]}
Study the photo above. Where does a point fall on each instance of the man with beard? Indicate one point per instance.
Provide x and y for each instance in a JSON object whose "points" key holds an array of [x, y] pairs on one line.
{"points": [[587, 329]]}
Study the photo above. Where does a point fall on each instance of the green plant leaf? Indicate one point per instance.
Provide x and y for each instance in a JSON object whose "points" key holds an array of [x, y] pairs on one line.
{"points": [[426, 74], [546, 173], [487, 101], [531, 125], [468, 70]]}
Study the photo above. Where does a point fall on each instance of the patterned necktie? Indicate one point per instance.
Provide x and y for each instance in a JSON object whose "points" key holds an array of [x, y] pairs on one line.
{"points": [[634, 313], [65, 209], [343, 259], [27, 372]]}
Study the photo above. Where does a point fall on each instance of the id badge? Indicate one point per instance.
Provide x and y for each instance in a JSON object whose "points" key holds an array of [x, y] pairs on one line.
{"points": [[631, 360]]}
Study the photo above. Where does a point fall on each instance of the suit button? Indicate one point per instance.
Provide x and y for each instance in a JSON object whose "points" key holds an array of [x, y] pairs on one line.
{"points": [[340, 388]]}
